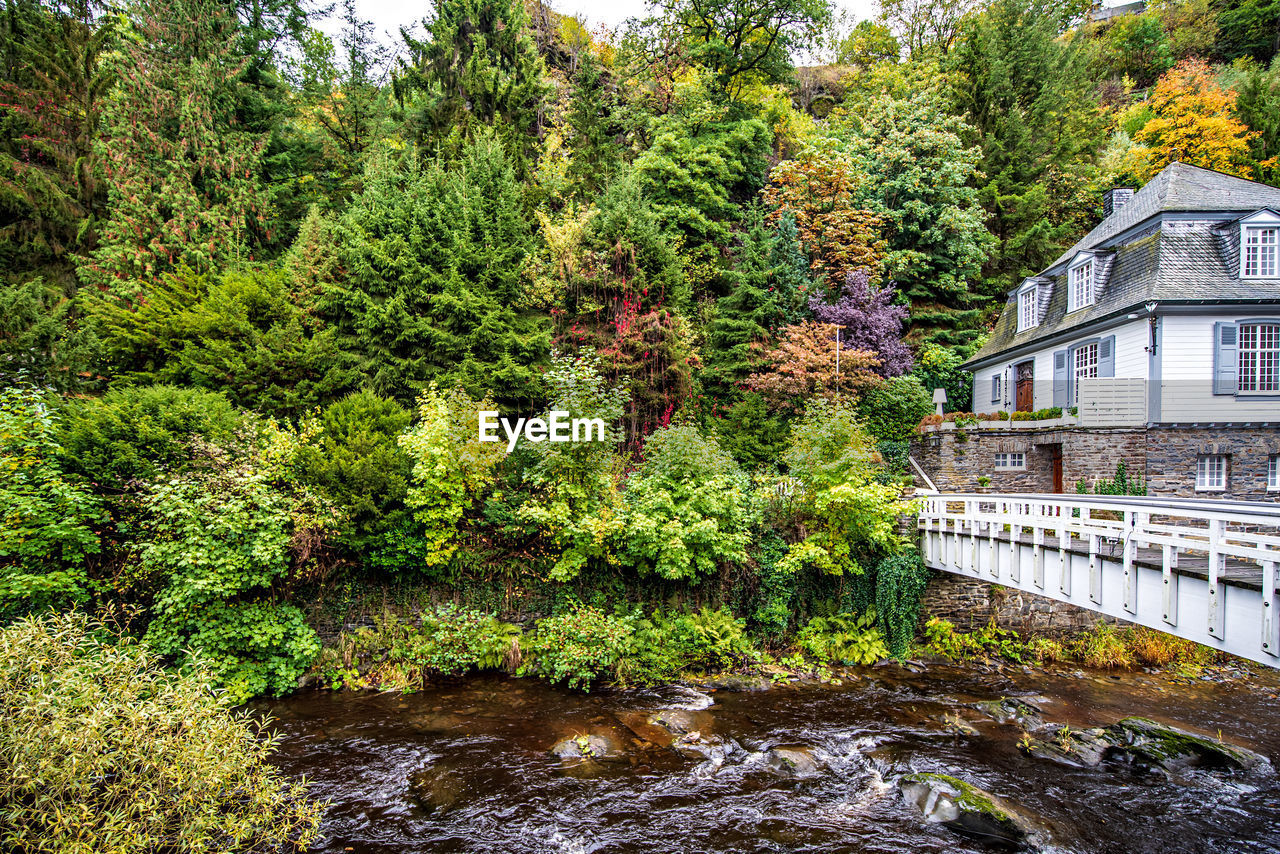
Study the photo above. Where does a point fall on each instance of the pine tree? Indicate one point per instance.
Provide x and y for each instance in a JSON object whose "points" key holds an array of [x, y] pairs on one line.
{"points": [[478, 66], [428, 271], [592, 131], [182, 174], [919, 177], [53, 84], [761, 300], [1027, 94]]}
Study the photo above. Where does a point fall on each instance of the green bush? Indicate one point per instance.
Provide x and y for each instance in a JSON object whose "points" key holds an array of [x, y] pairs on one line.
{"points": [[1121, 484], [217, 552], [106, 752], [141, 433], [843, 639], [47, 520], [577, 648], [246, 332], [833, 500], [451, 466], [688, 508], [892, 410], [453, 641], [939, 367], [665, 645], [353, 457]]}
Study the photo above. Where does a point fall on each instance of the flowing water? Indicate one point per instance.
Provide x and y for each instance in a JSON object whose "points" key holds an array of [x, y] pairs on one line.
{"points": [[467, 768]]}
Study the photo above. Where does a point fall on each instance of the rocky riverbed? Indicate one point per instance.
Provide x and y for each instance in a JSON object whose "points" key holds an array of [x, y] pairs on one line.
{"points": [[917, 758]]}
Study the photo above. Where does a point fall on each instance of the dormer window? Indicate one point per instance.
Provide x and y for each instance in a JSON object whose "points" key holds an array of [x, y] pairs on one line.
{"points": [[1258, 254], [1080, 285], [1028, 310]]}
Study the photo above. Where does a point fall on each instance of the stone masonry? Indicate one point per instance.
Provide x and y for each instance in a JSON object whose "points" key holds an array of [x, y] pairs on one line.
{"points": [[971, 603], [963, 460]]}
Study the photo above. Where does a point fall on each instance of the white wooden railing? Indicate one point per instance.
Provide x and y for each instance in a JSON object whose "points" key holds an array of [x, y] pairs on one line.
{"points": [[1201, 569]]}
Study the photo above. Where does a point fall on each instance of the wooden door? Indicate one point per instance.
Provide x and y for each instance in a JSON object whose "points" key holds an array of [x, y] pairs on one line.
{"points": [[1056, 450], [1024, 399]]}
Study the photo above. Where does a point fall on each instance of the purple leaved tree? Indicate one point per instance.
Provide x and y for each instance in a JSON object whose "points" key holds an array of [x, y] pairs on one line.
{"points": [[870, 321]]}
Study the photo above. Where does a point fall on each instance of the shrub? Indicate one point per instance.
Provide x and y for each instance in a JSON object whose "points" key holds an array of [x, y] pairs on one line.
{"points": [[106, 752], [218, 549], [664, 645], [451, 466], [46, 520], [1121, 484], [354, 459], [576, 648], [141, 433], [453, 641], [844, 639], [839, 505], [939, 367], [1102, 646], [246, 331], [688, 509], [892, 410]]}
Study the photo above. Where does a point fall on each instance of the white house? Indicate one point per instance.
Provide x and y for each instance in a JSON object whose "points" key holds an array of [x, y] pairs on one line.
{"points": [[1168, 312]]}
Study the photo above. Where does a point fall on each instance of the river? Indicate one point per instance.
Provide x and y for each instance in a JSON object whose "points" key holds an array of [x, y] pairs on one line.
{"points": [[466, 767]]}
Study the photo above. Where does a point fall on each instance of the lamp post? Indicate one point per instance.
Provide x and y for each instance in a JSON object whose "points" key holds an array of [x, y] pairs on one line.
{"points": [[838, 328]]}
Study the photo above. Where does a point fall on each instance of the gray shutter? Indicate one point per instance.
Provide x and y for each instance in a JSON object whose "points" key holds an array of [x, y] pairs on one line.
{"points": [[1226, 358], [1060, 378], [995, 388], [1107, 356]]}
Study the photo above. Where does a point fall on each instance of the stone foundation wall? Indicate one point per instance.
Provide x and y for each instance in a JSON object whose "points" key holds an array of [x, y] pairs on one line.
{"points": [[971, 603], [1165, 456], [1172, 453]]}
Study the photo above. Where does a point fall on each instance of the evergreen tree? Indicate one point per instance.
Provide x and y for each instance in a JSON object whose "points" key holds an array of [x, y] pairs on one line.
{"points": [[920, 179], [758, 305], [1033, 108], [592, 129], [1250, 28], [53, 84], [477, 66], [182, 174], [1258, 106], [427, 272]]}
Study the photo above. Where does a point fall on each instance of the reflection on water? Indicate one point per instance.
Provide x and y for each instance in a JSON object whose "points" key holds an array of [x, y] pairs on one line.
{"points": [[468, 767]]}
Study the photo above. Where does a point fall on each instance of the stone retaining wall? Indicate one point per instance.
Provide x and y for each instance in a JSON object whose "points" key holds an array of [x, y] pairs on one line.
{"points": [[971, 603], [963, 460]]}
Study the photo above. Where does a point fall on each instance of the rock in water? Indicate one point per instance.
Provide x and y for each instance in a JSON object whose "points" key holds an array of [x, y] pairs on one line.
{"points": [[792, 761], [589, 746], [1171, 748], [965, 808], [436, 789]]}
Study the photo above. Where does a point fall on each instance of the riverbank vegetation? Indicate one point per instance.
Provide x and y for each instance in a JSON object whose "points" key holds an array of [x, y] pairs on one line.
{"points": [[260, 277]]}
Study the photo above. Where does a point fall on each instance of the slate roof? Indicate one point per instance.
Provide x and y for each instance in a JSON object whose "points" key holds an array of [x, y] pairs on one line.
{"points": [[1143, 256]]}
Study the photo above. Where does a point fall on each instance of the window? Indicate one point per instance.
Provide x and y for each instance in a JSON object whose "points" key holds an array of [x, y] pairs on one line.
{"points": [[1011, 460], [1273, 473], [1259, 345], [1086, 362], [1080, 292], [1258, 259], [1211, 473], [996, 396], [1027, 309]]}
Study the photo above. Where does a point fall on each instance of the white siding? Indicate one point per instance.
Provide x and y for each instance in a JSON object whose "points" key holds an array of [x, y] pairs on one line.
{"points": [[1130, 355], [1186, 359]]}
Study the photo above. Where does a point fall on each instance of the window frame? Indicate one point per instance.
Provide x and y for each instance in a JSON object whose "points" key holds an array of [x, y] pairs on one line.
{"points": [[1084, 271], [1091, 347], [1028, 297], [1008, 463], [1273, 473], [1258, 362], [1204, 481], [1274, 245]]}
